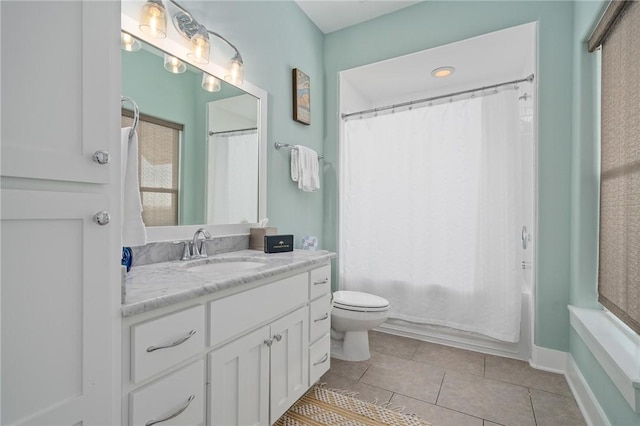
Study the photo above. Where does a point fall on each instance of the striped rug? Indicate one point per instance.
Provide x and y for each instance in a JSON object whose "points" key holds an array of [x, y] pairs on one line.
{"points": [[320, 407]]}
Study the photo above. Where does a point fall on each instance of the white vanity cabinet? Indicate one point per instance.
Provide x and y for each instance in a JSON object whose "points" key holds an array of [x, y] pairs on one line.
{"points": [[231, 358], [256, 378], [319, 322]]}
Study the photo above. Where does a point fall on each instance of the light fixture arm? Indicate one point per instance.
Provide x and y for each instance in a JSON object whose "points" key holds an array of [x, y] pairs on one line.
{"points": [[184, 21], [237, 56]]}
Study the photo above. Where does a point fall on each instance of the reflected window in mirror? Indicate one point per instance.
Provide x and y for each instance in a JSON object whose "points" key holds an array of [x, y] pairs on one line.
{"points": [[158, 167]]}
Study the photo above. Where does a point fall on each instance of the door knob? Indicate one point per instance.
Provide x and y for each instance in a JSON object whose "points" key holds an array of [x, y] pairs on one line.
{"points": [[101, 157], [102, 218]]}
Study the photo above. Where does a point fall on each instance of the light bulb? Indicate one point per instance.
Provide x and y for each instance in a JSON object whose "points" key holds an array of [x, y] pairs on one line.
{"points": [[173, 64], [199, 46], [210, 83], [153, 20], [235, 72], [442, 72], [129, 43]]}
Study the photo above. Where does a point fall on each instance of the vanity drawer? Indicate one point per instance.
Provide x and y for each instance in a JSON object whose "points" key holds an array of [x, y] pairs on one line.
{"points": [[180, 394], [160, 343], [319, 317], [320, 282], [319, 358], [234, 315]]}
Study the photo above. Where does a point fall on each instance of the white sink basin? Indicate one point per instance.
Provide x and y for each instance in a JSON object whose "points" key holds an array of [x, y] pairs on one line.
{"points": [[223, 266]]}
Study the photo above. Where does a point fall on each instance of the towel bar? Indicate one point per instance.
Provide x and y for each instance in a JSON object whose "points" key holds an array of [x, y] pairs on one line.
{"points": [[279, 145]]}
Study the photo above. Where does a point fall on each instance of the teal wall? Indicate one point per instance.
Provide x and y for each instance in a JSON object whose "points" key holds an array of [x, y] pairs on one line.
{"points": [[274, 37], [178, 98], [435, 23], [616, 408]]}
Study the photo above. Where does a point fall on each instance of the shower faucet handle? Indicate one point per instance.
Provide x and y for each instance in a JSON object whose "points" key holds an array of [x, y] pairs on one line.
{"points": [[526, 237]]}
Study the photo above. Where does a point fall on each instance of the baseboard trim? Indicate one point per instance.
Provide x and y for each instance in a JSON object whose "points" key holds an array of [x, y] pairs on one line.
{"points": [[587, 402], [548, 360]]}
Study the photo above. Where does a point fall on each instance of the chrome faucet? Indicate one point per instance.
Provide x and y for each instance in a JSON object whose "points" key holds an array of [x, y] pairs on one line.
{"points": [[202, 250], [191, 250]]}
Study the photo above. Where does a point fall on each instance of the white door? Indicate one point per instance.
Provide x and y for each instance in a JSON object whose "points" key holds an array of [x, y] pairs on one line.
{"points": [[55, 86], [56, 315], [60, 297], [289, 360], [239, 381]]}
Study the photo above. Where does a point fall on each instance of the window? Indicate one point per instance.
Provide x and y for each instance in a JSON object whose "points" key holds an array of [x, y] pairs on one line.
{"points": [[158, 168], [618, 34]]}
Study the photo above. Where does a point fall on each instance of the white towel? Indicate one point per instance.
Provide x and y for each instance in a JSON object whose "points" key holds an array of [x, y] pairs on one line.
{"points": [[133, 230], [305, 168]]}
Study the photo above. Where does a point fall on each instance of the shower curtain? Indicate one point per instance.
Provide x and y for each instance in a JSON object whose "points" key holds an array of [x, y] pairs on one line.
{"points": [[233, 173], [430, 213]]}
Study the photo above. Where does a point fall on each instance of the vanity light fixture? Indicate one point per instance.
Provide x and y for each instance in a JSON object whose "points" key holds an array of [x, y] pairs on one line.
{"points": [[153, 19], [128, 42], [443, 72], [173, 64], [210, 83], [198, 36]]}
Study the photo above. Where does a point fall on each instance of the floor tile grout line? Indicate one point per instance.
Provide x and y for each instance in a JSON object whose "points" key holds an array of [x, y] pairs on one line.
{"points": [[440, 388], [533, 411], [484, 366]]}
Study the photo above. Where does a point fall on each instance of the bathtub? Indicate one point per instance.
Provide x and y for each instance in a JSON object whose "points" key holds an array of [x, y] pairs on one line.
{"points": [[468, 340]]}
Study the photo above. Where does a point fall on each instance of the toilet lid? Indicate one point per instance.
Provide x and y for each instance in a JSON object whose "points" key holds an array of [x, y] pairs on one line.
{"points": [[358, 301]]}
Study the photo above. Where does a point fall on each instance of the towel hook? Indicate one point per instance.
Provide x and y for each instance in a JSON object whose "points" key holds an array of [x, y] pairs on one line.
{"points": [[136, 114]]}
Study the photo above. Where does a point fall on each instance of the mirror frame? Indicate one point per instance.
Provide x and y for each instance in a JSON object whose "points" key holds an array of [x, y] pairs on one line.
{"points": [[174, 45]]}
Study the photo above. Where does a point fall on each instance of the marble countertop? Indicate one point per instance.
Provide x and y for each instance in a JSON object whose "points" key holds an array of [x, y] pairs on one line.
{"points": [[162, 284]]}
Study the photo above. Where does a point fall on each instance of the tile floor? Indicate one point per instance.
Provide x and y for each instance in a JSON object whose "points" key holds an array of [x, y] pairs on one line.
{"points": [[453, 387]]}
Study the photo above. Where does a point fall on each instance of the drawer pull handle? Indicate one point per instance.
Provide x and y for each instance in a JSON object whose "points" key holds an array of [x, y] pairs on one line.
{"points": [[171, 345], [323, 360], [172, 416], [326, 316], [326, 280]]}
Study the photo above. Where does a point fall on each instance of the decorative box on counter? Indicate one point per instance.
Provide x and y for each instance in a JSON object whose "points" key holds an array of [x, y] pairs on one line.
{"points": [[256, 237], [278, 243]]}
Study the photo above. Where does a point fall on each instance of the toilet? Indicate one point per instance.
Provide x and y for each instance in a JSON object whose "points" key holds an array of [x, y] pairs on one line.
{"points": [[355, 313]]}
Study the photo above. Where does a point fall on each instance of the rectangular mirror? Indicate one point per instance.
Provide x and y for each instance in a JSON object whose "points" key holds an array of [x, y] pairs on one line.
{"points": [[198, 149]]}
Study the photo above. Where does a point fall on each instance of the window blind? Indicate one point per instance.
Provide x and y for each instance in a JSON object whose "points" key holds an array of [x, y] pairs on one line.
{"points": [[158, 168], [619, 251]]}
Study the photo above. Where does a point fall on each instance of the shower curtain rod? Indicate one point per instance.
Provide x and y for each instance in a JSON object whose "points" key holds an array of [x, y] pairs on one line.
{"points": [[434, 98], [222, 132]]}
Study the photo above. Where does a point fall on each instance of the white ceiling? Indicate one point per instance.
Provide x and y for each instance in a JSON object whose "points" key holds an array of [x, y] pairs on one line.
{"points": [[333, 15], [480, 61]]}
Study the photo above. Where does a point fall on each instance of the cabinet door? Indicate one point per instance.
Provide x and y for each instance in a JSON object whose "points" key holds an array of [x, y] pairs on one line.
{"points": [[289, 360], [239, 381], [57, 316], [55, 99]]}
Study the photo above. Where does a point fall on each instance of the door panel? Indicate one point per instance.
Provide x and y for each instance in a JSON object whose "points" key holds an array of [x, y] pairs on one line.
{"points": [[289, 360], [56, 341], [239, 381]]}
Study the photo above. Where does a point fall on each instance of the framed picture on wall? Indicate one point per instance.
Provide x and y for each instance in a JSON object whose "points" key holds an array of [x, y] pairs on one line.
{"points": [[301, 97]]}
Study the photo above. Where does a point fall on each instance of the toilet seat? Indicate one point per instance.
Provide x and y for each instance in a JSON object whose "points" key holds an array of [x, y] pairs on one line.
{"points": [[359, 302]]}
